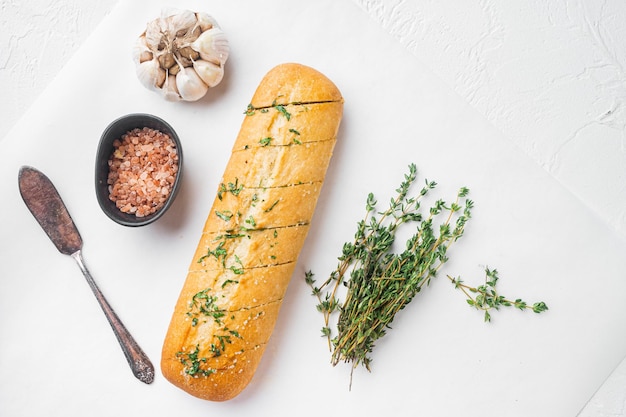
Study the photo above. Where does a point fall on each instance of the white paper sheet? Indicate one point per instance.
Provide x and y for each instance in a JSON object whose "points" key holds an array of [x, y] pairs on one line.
{"points": [[58, 355]]}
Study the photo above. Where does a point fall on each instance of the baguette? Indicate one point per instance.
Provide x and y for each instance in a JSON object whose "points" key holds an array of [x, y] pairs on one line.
{"points": [[230, 300]]}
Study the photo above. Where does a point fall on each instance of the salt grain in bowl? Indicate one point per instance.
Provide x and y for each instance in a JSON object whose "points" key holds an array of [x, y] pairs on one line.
{"points": [[142, 171]]}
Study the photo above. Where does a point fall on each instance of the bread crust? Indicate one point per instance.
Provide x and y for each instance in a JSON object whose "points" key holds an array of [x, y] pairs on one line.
{"points": [[231, 298]]}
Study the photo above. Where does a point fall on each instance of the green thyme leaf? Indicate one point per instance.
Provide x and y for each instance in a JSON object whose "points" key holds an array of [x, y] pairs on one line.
{"points": [[225, 215], [282, 110]]}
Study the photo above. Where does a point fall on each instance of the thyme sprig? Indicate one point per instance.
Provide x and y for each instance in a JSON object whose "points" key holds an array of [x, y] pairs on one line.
{"points": [[379, 281], [486, 298]]}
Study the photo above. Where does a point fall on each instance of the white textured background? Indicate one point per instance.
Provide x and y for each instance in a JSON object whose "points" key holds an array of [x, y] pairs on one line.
{"points": [[36, 39], [550, 75]]}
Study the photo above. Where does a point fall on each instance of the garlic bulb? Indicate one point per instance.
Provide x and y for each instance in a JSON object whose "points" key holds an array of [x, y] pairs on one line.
{"points": [[181, 55]]}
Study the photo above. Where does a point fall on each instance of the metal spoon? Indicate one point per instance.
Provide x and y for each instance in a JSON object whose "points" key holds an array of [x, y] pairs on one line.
{"points": [[44, 202]]}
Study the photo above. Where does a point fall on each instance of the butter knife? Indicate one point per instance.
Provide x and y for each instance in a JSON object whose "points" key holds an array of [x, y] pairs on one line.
{"points": [[45, 203]]}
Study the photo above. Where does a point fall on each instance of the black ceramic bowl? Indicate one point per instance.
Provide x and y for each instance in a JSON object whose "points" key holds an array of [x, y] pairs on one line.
{"points": [[115, 130]]}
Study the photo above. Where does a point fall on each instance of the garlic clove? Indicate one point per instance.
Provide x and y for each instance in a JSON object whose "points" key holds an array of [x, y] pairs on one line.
{"points": [[184, 61], [166, 60], [190, 85], [189, 53], [155, 35], [205, 21], [151, 75], [181, 21], [209, 72], [141, 52], [170, 90], [212, 45], [174, 70]]}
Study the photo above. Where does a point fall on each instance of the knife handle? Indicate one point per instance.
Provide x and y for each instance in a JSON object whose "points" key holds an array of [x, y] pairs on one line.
{"points": [[139, 362]]}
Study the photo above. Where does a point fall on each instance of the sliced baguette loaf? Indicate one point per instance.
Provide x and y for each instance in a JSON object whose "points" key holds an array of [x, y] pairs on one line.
{"points": [[237, 279]]}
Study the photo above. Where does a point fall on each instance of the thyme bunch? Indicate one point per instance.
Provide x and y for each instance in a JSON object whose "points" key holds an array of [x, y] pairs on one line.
{"points": [[376, 281], [379, 281]]}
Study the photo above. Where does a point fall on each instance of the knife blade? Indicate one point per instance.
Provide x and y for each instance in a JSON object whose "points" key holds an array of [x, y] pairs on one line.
{"points": [[44, 202]]}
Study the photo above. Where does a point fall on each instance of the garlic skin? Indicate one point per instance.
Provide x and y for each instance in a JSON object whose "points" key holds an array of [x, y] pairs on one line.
{"points": [[181, 54]]}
